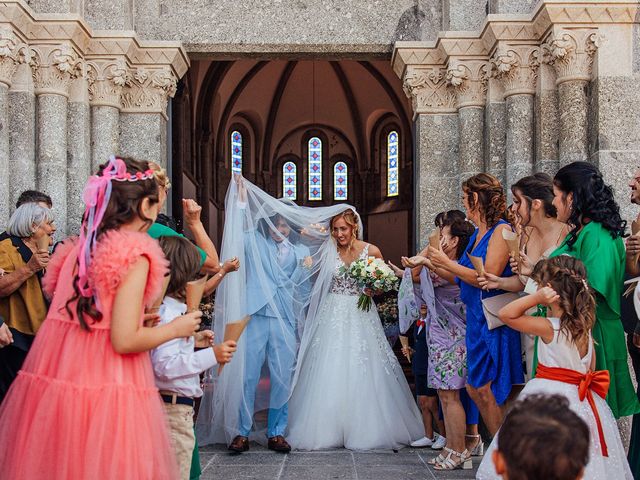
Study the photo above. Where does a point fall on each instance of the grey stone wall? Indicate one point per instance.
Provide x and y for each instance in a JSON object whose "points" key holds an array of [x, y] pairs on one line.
{"points": [[284, 26]]}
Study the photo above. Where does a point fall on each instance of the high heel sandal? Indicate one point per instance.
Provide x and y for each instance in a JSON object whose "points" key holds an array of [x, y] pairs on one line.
{"points": [[455, 460], [478, 449], [439, 459]]}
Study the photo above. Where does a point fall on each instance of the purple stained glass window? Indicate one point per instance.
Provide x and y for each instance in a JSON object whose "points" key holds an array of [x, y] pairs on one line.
{"points": [[340, 181], [315, 168], [236, 152], [392, 164], [289, 181]]}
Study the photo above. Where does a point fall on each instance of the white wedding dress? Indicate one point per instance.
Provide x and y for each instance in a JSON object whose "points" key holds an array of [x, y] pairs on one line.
{"points": [[350, 390]]}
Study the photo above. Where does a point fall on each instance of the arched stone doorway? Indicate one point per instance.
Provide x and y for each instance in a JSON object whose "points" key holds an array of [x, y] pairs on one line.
{"points": [[319, 132]]}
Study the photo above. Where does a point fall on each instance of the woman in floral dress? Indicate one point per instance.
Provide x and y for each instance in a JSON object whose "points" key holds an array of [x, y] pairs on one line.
{"points": [[446, 331]]}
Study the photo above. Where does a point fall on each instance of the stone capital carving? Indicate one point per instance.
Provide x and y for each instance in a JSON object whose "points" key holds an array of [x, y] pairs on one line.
{"points": [[428, 90], [53, 68], [148, 91], [516, 66], [571, 52], [9, 48], [469, 79], [106, 81]]}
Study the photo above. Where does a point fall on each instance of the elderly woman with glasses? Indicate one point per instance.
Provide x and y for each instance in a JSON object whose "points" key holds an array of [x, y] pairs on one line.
{"points": [[24, 255]]}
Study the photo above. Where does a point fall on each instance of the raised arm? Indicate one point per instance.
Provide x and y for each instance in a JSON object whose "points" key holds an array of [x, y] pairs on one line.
{"points": [[514, 314]]}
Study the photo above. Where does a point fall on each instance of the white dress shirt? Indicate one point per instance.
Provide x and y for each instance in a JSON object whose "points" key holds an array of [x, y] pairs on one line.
{"points": [[176, 365]]}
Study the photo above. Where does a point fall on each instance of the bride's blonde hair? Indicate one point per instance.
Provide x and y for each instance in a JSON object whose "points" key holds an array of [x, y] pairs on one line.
{"points": [[351, 218]]}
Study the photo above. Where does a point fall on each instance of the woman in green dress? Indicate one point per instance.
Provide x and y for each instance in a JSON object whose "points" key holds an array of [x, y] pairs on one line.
{"points": [[585, 203]]}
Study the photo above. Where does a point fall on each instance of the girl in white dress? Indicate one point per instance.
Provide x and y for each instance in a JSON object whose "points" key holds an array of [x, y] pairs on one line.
{"points": [[350, 390], [567, 362]]}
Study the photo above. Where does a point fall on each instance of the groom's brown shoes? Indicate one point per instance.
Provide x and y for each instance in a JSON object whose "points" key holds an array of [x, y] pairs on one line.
{"points": [[279, 444], [240, 444]]}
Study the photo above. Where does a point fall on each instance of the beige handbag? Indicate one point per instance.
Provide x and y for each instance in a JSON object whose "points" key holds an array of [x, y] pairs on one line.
{"points": [[492, 305]]}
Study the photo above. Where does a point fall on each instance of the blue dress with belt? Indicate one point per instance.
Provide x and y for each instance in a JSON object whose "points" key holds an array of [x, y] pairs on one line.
{"points": [[492, 355]]}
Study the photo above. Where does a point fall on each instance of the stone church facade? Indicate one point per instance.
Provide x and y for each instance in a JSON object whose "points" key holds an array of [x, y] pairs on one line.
{"points": [[509, 87]]}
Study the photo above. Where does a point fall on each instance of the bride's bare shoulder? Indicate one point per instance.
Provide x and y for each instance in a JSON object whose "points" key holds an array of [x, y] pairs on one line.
{"points": [[374, 251]]}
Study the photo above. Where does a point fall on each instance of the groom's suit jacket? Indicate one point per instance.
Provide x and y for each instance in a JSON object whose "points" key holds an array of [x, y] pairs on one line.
{"points": [[273, 286]]}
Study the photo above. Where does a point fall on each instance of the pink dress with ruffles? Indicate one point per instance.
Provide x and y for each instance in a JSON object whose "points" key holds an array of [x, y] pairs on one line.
{"points": [[79, 410]]}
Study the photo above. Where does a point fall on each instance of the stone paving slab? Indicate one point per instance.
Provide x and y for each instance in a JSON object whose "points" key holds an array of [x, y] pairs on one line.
{"points": [[262, 464]]}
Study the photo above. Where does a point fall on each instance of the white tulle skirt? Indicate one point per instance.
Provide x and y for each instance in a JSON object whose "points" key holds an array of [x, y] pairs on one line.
{"points": [[350, 390], [615, 466]]}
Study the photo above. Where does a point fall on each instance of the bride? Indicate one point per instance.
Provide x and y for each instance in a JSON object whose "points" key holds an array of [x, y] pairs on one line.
{"points": [[309, 358], [349, 389]]}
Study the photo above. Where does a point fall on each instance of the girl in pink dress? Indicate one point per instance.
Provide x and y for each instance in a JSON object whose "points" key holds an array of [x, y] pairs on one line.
{"points": [[84, 405]]}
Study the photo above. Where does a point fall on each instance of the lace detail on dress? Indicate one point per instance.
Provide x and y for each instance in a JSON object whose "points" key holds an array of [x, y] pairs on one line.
{"points": [[342, 283]]}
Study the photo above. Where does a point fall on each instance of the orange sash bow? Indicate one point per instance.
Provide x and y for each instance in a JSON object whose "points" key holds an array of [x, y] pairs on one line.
{"points": [[587, 383]]}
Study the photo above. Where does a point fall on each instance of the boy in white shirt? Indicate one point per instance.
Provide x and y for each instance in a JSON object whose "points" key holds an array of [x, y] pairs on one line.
{"points": [[176, 364]]}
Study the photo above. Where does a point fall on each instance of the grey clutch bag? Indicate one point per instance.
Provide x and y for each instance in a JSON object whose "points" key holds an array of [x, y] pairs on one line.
{"points": [[491, 306]]}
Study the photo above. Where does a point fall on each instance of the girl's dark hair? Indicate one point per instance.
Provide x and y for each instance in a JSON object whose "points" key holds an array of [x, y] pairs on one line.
{"points": [[568, 277], [541, 437], [184, 264], [538, 186], [492, 201], [446, 218], [592, 199], [125, 204], [462, 229]]}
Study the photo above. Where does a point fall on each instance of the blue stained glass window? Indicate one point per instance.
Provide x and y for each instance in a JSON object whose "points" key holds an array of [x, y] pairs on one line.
{"points": [[289, 181], [392, 164], [340, 181], [315, 169], [236, 152]]}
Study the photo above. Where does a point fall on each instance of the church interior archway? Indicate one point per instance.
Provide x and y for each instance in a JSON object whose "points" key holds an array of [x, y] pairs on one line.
{"points": [[316, 131]]}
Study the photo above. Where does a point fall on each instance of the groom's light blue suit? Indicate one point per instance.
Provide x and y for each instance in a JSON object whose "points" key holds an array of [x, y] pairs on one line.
{"points": [[273, 305]]}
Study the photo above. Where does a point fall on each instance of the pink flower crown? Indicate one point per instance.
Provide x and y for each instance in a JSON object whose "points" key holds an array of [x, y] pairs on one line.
{"points": [[128, 177]]}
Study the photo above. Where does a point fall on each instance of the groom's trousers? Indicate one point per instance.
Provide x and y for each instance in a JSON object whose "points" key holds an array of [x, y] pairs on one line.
{"points": [[275, 339]]}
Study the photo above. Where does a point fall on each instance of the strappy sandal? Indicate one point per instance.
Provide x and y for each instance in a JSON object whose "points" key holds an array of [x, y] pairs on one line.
{"points": [[478, 449], [455, 460], [439, 459]]}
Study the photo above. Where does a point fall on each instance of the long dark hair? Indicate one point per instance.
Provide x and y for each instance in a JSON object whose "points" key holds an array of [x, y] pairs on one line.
{"points": [[125, 204], [538, 186], [592, 199]]}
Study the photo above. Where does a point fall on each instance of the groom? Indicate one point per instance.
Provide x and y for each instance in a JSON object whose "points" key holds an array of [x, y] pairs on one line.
{"points": [[275, 274]]}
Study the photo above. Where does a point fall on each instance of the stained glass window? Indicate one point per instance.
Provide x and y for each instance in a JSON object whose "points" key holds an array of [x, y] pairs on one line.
{"points": [[340, 183], [289, 181], [392, 164], [236, 152], [315, 169]]}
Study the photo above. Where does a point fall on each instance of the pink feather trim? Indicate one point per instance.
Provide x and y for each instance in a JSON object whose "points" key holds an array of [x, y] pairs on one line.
{"points": [[116, 253], [50, 279]]}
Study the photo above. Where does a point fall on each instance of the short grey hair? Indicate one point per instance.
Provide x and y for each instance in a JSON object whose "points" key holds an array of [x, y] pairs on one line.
{"points": [[27, 218]]}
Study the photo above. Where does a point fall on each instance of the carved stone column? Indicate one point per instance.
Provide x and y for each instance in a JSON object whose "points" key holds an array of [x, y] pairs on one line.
{"points": [[54, 67], [436, 177], [106, 80], [469, 82], [571, 54], [8, 61], [22, 127], [516, 66], [78, 149], [143, 121]]}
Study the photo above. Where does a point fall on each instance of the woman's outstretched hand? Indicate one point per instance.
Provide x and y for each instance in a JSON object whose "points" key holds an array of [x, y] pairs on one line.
{"points": [[397, 270], [489, 281]]}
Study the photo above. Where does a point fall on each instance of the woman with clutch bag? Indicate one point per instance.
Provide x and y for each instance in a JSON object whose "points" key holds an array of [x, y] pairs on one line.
{"points": [[542, 233], [493, 356]]}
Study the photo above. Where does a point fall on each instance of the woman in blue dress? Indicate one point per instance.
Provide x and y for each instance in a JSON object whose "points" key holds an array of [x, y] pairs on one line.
{"points": [[494, 362]]}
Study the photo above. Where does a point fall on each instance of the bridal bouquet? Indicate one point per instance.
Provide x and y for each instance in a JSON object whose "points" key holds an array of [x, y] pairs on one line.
{"points": [[374, 274]]}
